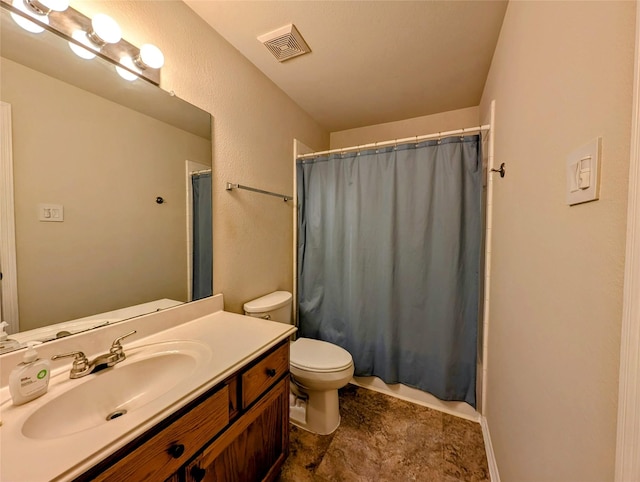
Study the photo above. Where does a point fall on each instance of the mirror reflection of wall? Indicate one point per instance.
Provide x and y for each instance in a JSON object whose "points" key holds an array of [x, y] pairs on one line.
{"points": [[116, 247], [105, 164]]}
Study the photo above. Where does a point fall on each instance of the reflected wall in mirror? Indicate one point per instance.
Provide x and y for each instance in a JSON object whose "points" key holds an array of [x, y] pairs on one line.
{"points": [[116, 157]]}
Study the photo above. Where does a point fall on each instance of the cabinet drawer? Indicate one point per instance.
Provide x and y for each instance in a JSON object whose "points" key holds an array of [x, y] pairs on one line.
{"points": [[169, 449], [257, 379]]}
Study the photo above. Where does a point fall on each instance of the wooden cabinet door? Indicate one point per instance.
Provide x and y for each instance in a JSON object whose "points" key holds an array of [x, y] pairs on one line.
{"points": [[254, 448]]}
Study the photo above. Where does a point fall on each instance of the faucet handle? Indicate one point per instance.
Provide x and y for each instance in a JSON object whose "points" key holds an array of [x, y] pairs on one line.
{"points": [[80, 362], [120, 338], [116, 346]]}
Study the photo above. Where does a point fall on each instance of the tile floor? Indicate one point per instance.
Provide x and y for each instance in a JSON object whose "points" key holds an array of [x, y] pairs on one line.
{"points": [[382, 438]]}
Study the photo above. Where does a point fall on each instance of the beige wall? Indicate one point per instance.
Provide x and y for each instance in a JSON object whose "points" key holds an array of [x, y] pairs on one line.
{"points": [[428, 124], [254, 127], [561, 76], [106, 164]]}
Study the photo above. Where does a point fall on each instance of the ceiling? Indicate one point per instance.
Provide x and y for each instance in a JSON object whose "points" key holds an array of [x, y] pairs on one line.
{"points": [[371, 62]]}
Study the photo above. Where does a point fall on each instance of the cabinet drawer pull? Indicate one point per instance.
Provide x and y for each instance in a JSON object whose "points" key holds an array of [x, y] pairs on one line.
{"points": [[197, 473], [271, 372], [176, 450]]}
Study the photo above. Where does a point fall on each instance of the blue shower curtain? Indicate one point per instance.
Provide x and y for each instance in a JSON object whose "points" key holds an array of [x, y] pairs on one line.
{"points": [[389, 260], [202, 283]]}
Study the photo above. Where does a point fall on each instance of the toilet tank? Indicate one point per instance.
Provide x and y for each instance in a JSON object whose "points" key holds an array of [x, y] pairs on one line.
{"points": [[275, 306]]}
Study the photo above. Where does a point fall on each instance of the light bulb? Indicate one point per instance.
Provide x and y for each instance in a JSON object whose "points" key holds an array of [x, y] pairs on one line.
{"points": [[28, 25], [81, 52], [104, 30], [125, 74], [150, 56]]}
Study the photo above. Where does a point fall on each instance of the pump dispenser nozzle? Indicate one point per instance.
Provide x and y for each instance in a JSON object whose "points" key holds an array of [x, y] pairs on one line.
{"points": [[6, 342], [31, 354], [3, 334]]}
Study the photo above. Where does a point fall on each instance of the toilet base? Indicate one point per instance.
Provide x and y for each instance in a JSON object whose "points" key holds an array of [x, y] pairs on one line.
{"points": [[319, 414]]}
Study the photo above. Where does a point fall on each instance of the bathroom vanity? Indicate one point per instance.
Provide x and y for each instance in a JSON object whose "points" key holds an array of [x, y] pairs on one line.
{"points": [[213, 405], [236, 431]]}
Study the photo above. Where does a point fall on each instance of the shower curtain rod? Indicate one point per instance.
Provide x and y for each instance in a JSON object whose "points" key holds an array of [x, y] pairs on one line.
{"points": [[202, 171], [438, 135]]}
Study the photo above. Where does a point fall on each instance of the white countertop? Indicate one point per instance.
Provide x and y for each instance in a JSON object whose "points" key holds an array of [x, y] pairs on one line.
{"points": [[233, 340]]}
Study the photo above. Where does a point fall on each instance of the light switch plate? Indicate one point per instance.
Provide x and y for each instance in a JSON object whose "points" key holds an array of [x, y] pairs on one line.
{"points": [[51, 213], [583, 173]]}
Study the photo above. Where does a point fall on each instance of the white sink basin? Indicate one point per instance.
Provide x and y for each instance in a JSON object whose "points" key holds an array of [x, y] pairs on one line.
{"points": [[104, 397]]}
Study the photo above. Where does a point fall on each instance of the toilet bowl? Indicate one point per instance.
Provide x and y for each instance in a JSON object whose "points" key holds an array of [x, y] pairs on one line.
{"points": [[318, 369]]}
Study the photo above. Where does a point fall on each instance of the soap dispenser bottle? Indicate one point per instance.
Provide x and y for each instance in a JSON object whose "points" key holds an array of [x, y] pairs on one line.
{"points": [[7, 343], [30, 379]]}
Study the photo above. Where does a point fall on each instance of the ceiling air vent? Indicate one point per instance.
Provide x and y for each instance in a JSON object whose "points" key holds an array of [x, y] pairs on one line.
{"points": [[285, 43]]}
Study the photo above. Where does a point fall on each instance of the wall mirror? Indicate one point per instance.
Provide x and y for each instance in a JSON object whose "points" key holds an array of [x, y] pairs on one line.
{"points": [[123, 167]]}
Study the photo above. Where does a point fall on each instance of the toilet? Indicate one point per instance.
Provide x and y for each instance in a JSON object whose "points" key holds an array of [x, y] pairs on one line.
{"points": [[318, 369]]}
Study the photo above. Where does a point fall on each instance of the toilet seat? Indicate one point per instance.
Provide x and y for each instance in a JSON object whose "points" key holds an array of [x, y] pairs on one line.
{"points": [[318, 356]]}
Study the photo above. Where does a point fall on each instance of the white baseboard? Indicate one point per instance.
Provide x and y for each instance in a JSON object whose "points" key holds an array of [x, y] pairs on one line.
{"points": [[488, 446]]}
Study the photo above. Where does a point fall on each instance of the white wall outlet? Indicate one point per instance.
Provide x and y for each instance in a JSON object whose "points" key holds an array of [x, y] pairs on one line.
{"points": [[583, 173], [51, 213]]}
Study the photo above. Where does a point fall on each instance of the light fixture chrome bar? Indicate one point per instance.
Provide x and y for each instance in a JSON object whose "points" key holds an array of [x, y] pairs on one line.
{"points": [[38, 7], [65, 23], [284, 197]]}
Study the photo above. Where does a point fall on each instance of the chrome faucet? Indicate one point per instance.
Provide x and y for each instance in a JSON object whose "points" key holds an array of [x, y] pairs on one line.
{"points": [[82, 366]]}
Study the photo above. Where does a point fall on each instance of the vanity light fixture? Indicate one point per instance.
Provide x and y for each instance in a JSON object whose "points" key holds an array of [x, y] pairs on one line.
{"points": [[88, 37]]}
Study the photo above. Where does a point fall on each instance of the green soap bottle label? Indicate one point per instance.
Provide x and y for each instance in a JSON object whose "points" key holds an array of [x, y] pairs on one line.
{"points": [[41, 374]]}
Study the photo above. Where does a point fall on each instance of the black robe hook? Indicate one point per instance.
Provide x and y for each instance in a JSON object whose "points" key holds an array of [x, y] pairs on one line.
{"points": [[501, 170]]}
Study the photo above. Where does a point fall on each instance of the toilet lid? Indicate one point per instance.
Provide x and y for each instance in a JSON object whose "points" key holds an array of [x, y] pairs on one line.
{"points": [[318, 356], [269, 302]]}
